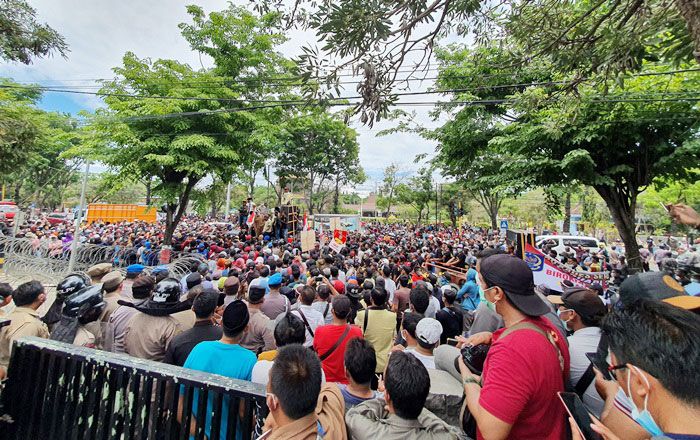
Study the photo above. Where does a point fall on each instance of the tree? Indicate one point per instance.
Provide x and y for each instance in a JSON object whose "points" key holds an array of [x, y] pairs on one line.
{"points": [[320, 149], [22, 37], [46, 174], [389, 182], [377, 39], [618, 141], [170, 123], [20, 124], [418, 192]]}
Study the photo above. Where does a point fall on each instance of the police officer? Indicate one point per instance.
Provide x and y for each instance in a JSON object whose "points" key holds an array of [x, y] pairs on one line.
{"points": [[67, 287], [150, 330], [81, 308]]}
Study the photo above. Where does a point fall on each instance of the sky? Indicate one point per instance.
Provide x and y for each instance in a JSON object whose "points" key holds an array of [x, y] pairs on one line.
{"points": [[99, 32]]}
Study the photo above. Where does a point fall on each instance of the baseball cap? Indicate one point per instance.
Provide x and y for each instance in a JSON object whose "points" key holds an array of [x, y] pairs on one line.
{"points": [[339, 286], [649, 285], [514, 276], [112, 280], [429, 330], [585, 302], [275, 279], [235, 316]]}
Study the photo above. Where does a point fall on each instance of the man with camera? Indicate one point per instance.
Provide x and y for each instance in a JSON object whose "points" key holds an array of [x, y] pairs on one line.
{"points": [[526, 365]]}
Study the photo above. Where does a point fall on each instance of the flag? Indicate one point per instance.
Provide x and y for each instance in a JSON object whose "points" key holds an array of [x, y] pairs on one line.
{"points": [[306, 224], [251, 219]]}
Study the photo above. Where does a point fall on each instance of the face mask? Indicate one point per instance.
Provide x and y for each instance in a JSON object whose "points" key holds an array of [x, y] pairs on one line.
{"points": [[564, 322], [643, 418], [489, 304]]}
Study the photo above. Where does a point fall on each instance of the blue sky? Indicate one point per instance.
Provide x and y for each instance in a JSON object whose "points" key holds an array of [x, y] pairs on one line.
{"points": [[99, 32]]}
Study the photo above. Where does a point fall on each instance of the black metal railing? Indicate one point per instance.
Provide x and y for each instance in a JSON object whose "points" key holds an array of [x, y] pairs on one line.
{"points": [[60, 391]]}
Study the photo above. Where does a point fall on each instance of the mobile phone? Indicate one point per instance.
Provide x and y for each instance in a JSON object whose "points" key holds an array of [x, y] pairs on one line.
{"points": [[574, 406], [452, 341], [600, 364]]}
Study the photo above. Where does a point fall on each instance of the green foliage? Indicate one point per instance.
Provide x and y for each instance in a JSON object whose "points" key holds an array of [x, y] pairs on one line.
{"points": [[32, 144], [22, 37], [418, 192], [588, 37], [617, 137], [184, 124], [20, 124], [320, 150]]}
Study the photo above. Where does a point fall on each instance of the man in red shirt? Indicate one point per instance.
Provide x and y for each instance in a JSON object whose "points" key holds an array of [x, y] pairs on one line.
{"points": [[330, 340], [527, 364]]}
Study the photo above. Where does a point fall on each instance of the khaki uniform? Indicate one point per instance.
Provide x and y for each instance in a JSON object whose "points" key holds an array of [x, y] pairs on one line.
{"points": [[148, 337], [260, 336], [24, 322], [84, 338], [186, 318]]}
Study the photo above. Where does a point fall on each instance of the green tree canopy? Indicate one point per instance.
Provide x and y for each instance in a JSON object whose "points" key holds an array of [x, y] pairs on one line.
{"points": [[321, 150], [22, 37]]}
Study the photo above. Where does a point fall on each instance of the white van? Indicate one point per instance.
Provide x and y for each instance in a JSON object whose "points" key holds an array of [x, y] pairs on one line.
{"points": [[572, 241]]}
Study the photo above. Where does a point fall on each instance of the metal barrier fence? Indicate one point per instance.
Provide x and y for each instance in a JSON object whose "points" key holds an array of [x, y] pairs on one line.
{"points": [[27, 259], [57, 390]]}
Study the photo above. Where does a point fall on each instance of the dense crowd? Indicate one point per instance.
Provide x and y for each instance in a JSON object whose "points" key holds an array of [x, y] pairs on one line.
{"points": [[426, 332]]}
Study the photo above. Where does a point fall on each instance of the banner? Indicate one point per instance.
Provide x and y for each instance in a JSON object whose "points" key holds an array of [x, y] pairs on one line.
{"points": [[251, 219], [308, 240], [551, 272], [335, 246], [340, 236]]}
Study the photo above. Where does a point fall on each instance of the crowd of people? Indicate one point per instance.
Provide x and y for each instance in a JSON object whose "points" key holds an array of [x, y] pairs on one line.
{"points": [[420, 332]]}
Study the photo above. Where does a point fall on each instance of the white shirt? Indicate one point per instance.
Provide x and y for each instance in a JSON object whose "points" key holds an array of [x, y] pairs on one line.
{"points": [[581, 342], [261, 372], [390, 287], [433, 307], [427, 361], [313, 317]]}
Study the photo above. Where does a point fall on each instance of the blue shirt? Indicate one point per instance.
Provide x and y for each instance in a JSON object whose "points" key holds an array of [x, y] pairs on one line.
{"points": [[230, 360]]}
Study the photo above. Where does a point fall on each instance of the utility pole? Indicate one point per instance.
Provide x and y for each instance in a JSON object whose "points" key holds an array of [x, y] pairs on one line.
{"points": [[78, 221], [436, 203], [228, 198]]}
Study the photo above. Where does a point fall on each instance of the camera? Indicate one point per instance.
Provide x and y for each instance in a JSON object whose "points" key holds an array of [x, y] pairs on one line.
{"points": [[474, 357], [319, 279]]}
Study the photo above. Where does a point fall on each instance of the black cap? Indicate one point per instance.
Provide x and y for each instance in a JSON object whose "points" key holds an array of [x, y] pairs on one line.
{"points": [[193, 279], [514, 276], [649, 285], [585, 302], [235, 317], [256, 294]]}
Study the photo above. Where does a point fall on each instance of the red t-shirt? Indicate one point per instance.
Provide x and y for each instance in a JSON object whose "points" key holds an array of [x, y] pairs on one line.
{"points": [[325, 337], [520, 383]]}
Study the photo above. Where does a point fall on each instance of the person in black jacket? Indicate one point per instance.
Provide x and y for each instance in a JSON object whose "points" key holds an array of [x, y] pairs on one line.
{"points": [[449, 316]]}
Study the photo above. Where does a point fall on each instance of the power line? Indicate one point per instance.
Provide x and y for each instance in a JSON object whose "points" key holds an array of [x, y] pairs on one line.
{"points": [[266, 81], [245, 100]]}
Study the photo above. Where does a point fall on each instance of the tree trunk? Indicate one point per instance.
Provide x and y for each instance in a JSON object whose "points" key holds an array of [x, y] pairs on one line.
{"points": [[310, 203], [336, 196], [622, 209], [690, 10], [389, 201], [567, 214], [148, 192], [453, 215], [174, 212]]}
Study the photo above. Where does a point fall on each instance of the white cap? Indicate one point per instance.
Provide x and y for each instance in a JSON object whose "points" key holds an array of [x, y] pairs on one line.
{"points": [[429, 330]]}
